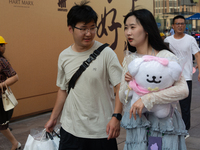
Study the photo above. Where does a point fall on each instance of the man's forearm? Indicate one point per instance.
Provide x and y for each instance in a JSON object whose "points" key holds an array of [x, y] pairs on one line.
{"points": [[60, 100], [118, 104]]}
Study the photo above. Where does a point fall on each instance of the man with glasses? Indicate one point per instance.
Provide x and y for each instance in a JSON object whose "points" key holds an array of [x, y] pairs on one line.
{"points": [[89, 120], [186, 45]]}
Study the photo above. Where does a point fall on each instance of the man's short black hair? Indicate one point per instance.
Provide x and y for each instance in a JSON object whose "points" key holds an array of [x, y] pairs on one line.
{"points": [[177, 17], [81, 13]]}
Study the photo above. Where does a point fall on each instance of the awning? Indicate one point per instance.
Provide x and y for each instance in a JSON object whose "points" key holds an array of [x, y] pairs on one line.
{"points": [[194, 17]]}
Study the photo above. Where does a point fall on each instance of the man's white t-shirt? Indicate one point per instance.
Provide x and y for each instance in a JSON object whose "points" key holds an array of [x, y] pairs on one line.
{"points": [[183, 49], [89, 106]]}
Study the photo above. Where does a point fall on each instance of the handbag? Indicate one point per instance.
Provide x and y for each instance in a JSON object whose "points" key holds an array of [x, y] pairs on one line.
{"points": [[8, 98], [84, 65], [41, 142]]}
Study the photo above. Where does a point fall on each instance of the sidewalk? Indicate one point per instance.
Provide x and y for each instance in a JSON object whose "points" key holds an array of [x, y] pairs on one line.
{"points": [[21, 128]]}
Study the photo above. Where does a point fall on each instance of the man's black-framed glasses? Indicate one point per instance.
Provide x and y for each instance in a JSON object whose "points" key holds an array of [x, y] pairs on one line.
{"points": [[178, 24], [86, 30]]}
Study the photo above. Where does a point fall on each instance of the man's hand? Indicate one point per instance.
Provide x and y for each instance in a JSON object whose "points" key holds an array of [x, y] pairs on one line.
{"points": [[50, 125], [113, 128]]}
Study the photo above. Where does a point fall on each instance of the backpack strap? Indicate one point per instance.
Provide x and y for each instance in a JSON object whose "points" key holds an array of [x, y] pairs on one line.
{"points": [[84, 65]]}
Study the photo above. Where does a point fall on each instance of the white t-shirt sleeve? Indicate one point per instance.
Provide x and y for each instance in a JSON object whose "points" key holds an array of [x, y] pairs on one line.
{"points": [[194, 46], [61, 79], [166, 40], [114, 68]]}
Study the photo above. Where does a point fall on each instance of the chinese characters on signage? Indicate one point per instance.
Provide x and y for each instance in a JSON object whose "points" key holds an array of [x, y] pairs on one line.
{"points": [[62, 5], [111, 25]]}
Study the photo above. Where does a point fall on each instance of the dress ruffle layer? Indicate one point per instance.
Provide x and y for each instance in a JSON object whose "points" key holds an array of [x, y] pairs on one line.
{"points": [[171, 129]]}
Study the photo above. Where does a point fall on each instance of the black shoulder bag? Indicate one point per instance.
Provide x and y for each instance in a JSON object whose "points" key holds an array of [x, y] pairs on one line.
{"points": [[84, 65]]}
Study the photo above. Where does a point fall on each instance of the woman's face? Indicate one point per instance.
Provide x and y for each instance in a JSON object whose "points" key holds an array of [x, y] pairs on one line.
{"points": [[134, 32]]}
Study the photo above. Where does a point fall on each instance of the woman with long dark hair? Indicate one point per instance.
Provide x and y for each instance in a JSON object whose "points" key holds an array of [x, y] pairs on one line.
{"points": [[143, 38], [7, 77]]}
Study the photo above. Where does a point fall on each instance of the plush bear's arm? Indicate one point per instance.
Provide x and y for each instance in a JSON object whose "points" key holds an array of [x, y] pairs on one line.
{"points": [[176, 92]]}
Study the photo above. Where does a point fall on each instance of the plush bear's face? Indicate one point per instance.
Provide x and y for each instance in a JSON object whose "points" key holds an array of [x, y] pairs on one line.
{"points": [[153, 75]]}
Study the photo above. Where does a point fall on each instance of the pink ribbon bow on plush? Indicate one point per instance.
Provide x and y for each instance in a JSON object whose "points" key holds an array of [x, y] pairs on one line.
{"points": [[138, 89], [163, 61]]}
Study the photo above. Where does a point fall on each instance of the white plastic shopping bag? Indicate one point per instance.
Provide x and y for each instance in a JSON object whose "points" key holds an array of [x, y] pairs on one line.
{"points": [[42, 141]]}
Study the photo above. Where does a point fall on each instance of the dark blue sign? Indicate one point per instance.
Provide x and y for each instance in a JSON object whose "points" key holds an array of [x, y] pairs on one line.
{"points": [[158, 24]]}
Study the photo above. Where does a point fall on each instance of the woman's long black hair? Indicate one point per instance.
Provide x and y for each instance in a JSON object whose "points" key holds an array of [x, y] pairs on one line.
{"points": [[148, 22]]}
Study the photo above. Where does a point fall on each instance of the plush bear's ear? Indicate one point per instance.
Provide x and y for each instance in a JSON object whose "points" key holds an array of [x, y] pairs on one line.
{"points": [[175, 70], [134, 66]]}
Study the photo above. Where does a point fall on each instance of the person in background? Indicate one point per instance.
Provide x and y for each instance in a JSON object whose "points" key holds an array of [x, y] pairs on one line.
{"points": [[187, 45], [171, 31], [186, 31], [193, 32], [88, 120], [143, 38], [162, 36], [166, 33], [8, 76]]}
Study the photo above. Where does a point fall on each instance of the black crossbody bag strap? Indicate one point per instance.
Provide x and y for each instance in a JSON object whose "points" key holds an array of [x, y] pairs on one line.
{"points": [[84, 65]]}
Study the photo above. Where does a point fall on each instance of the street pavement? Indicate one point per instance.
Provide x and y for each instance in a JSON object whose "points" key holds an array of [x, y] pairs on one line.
{"points": [[21, 128]]}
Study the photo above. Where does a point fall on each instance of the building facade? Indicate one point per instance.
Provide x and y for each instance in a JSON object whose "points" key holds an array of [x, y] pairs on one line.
{"points": [[165, 10]]}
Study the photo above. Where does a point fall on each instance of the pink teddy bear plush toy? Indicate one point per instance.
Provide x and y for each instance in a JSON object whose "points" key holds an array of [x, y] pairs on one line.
{"points": [[151, 74]]}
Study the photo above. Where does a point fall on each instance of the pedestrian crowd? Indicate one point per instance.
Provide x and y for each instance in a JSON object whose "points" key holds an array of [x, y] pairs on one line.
{"points": [[94, 98]]}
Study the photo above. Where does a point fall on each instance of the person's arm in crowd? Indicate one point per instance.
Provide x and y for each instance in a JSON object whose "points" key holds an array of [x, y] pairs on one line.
{"points": [[10, 81], [176, 92], [60, 100], [197, 57], [113, 127]]}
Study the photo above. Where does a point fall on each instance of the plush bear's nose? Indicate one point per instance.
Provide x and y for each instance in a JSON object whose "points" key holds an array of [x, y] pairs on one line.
{"points": [[154, 77]]}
